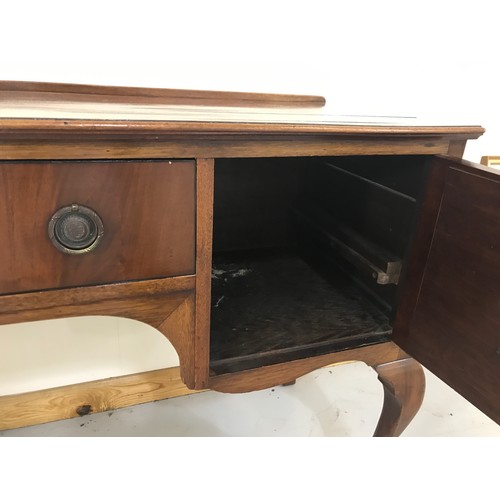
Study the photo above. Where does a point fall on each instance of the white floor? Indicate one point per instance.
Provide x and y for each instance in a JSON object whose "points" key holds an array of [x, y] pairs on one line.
{"points": [[341, 401]]}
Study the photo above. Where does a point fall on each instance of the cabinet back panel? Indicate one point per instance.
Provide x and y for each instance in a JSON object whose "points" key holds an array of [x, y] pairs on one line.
{"points": [[252, 202]]}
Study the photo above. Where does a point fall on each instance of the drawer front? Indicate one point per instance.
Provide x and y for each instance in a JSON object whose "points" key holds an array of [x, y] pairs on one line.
{"points": [[147, 209]]}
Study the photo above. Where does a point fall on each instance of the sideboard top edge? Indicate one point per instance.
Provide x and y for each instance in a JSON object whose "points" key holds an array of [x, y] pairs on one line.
{"points": [[69, 127], [68, 109]]}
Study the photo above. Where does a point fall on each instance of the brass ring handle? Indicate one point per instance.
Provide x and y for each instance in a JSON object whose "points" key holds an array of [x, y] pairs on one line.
{"points": [[75, 229]]}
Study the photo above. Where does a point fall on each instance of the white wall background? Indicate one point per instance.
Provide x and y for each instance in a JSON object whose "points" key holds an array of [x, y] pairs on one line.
{"points": [[429, 59]]}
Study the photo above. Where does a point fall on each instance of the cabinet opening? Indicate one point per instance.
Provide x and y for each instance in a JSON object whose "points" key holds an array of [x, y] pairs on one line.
{"points": [[308, 254]]}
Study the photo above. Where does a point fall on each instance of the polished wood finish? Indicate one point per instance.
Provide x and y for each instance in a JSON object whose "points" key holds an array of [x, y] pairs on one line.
{"points": [[455, 327], [33, 108], [204, 227], [269, 376], [179, 328], [217, 146], [148, 211], [48, 405], [445, 308], [106, 94], [143, 301], [210, 127], [46, 121], [167, 305], [404, 387]]}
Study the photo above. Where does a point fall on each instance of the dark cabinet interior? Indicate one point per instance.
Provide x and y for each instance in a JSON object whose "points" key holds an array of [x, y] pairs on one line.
{"points": [[308, 254]]}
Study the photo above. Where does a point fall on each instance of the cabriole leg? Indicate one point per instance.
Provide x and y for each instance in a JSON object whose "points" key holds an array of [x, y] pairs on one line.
{"points": [[404, 388]]}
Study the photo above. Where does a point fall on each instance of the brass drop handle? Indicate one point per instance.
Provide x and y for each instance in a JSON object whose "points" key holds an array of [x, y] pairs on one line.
{"points": [[75, 229]]}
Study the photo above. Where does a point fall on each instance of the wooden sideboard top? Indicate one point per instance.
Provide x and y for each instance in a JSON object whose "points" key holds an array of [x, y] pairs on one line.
{"points": [[35, 108]]}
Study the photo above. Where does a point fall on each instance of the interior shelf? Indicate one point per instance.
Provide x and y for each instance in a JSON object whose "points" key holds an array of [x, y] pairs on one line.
{"points": [[272, 307]]}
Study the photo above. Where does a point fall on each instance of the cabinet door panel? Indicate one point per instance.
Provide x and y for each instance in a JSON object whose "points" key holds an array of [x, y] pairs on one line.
{"points": [[454, 328]]}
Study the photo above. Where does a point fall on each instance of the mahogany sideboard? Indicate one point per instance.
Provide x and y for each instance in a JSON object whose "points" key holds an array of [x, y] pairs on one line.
{"points": [[262, 235]]}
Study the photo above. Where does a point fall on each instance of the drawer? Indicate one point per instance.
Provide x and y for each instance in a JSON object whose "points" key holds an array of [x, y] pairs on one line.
{"points": [[147, 210]]}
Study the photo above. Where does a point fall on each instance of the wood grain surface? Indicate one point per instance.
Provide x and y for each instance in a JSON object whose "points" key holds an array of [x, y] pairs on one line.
{"points": [[457, 148], [33, 108], [147, 208], [404, 388], [148, 301], [448, 314], [204, 230], [114, 145], [103, 93], [179, 329], [168, 305], [269, 376], [455, 327], [48, 405]]}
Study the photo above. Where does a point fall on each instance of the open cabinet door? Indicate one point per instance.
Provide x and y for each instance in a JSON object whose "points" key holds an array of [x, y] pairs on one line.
{"points": [[449, 315]]}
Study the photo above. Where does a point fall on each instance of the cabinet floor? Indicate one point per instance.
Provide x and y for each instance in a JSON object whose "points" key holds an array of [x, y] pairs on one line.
{"points": [[342, 401], [275, 307]]}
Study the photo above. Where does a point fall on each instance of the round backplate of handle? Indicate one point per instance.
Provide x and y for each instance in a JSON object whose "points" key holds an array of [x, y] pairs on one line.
{"points": [[75, 229]]}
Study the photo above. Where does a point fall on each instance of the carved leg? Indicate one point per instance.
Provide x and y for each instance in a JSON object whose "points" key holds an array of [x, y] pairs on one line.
{"points": [[404, 388]]}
